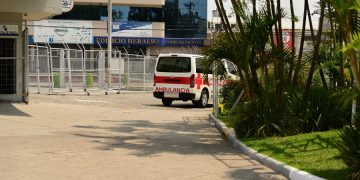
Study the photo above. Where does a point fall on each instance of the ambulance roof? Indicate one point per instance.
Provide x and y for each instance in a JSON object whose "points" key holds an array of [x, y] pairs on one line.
{"points": [[180, 55]]}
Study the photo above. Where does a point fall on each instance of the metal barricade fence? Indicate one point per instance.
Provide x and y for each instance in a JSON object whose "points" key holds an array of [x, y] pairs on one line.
{"points": [[75, 67], [94, 69], [65, 69], [132, 72], [39, 71]]}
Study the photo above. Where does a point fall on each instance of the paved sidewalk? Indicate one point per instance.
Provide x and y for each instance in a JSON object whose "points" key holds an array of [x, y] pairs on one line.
{"points": [[126, 136]]}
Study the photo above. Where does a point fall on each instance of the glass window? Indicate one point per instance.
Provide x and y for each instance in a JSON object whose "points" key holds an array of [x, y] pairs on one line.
{"points": [[200, 68], [185, 18], [182, 18], [174, 64], [84, 12], [126, 13]]}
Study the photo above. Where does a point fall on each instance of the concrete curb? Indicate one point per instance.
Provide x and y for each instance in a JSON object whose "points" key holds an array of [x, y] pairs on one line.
{"points": [[282, 168]]}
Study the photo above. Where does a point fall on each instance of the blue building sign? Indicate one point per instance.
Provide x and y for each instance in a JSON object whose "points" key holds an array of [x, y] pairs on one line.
{"points": [[142, 41], [124, 41], [183, 42]]}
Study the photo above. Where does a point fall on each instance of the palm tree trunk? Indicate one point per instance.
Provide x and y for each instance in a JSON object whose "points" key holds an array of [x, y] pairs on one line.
{"points": [[225, 19], [316, 61], [341, 65], [316, 49], [291, 66], [301, 50], [341, 81], [221, 14], [279, 87], [237, 7], [243, 78], [268, 7], [274, 16], [352, 53], [269, 14], [276, 62]]}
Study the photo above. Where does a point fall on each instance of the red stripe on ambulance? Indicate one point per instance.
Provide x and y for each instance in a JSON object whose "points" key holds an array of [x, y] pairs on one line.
{"points": [[198, 80], [172, 80]]}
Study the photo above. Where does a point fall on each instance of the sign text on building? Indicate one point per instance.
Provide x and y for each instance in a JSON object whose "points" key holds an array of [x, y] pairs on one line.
{"points": [[142, 41]]}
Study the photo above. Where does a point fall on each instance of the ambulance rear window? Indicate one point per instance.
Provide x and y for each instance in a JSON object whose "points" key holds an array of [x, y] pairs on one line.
{"points": [[174, 64]]}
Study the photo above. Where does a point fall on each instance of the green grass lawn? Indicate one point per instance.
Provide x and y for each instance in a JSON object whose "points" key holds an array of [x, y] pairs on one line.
{"points": [[315, 153]]}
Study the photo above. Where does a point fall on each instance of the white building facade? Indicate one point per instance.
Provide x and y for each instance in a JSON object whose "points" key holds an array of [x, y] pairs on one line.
{"points": [[13, 43]]}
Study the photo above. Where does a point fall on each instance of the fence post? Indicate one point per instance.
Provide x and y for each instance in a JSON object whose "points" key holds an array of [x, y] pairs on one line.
{"points": [[62, 68], [83, 56], [83, 68], [69, 69], [51, 70], [119, 71], [128, 68], [215, 93], [144, 74], [110, 53], [37, 64], [49, 64], [101, 69]]}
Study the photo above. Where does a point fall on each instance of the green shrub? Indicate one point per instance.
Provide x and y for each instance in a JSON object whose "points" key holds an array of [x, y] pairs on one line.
{"points": [[261, 117], [56, 80], [89, 80], [265, 116], [349, 147], [321, 110]]}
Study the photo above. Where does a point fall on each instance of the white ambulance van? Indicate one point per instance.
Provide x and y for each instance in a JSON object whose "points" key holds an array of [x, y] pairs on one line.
{"points": [[179, 77]]}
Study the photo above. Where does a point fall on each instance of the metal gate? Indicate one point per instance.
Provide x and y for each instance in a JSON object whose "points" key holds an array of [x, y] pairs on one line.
{"points": [[67, 70]]}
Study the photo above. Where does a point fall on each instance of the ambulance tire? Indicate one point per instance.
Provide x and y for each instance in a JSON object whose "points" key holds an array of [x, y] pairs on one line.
{"points": [[166, 102], [203, 101]]}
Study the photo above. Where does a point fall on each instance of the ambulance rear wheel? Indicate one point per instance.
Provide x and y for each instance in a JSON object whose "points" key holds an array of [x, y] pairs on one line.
{"points": [[203, 101], [167, 102]]}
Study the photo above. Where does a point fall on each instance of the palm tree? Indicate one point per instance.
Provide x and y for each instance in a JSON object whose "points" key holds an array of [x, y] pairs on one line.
{"points": [[246, 48], [349, 23]]}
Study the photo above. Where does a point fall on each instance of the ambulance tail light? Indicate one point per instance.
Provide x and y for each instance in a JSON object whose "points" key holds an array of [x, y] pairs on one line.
{"points": [[154, 80], [192, 81]]}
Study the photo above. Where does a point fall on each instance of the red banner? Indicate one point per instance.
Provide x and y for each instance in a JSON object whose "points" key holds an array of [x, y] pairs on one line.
{"points": [[286, 38]]}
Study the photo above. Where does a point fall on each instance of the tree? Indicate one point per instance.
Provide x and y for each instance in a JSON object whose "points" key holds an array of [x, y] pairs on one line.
{"points": [[349, 24]]}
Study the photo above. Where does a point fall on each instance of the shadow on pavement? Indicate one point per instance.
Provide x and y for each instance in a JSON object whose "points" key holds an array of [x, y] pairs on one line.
{"points": [[192, 136], [253, 172], [8, 109], [148, 138]]}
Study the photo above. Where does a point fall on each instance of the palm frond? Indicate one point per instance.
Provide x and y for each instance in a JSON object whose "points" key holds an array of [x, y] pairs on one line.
{"points": [[355, 43]]}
